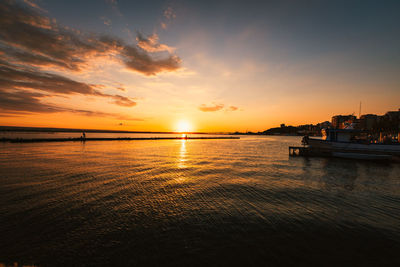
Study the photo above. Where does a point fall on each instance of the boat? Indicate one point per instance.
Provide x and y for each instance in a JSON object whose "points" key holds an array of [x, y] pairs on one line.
{"points": [[345, 143]]}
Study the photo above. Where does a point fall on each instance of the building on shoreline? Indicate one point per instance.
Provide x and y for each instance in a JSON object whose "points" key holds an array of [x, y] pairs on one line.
{"points": [[368, 121], [341, 121], [387, 124]]}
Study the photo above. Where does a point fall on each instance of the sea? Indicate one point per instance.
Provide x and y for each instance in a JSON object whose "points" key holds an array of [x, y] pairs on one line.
{"points": [[235, 202]]}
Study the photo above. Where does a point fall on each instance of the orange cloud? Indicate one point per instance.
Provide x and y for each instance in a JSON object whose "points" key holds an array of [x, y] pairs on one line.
{"points": [[216, 107], [213, 108], [151, 44]]}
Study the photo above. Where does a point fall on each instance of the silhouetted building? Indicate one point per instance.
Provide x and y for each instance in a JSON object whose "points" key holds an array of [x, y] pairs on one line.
{"points": [[390, 121], [393, 115], [340, 121], [324, 125], [368, 121]]}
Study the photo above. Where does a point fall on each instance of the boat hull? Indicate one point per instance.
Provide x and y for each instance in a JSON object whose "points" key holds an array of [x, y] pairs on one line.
{"points": [[354, 150], [363, 156]]}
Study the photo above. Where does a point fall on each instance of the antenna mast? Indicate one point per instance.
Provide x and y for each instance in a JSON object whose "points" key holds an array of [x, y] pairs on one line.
{"points": [[359, 112]]}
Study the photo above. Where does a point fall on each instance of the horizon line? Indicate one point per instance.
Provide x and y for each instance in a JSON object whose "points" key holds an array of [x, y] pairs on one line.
{"points": [[56, 129]]}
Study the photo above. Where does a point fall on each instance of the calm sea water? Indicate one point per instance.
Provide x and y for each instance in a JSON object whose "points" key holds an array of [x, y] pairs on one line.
{"points": [[194, 202]]}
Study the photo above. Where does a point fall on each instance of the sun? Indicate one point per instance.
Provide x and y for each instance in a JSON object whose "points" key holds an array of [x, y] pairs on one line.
{"points": [[184, 126]]}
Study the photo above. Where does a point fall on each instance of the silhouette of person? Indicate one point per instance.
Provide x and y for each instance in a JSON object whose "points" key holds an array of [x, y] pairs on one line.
{"points": [[305, 139]]}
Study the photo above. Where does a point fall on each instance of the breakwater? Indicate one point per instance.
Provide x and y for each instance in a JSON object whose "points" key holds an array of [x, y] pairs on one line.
{"points": [[80, 139]]}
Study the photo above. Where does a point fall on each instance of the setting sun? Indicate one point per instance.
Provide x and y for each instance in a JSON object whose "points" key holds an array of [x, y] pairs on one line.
{"points": [[184, 126]]}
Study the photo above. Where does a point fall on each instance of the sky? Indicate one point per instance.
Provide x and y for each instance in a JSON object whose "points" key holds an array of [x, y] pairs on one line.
{"points": [[205, 66]]}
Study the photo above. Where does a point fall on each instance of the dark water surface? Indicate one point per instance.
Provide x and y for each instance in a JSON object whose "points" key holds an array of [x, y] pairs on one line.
{"points": [[194, 202]]}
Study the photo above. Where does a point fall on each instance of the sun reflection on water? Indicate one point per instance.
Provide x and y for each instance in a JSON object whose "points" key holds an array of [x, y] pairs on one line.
{"points": [[182, 154], [181, 162]]}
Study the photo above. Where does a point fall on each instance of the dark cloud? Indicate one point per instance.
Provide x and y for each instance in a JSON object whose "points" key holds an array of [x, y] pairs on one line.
{"points": [[12, 76], [28, 37], [123, 101], [212, 108], [24, 102], [17, 77], [17, 102], [144, 63]]}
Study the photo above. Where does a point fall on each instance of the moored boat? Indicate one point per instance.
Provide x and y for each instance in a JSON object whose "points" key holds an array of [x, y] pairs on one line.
{"points": [[344, 143]]}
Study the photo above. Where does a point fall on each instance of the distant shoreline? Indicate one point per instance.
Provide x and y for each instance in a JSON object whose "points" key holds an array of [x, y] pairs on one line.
{"points": [[73, 130], [80, 139]]}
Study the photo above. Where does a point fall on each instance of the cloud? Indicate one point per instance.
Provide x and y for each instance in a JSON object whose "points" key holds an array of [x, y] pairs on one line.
{"points": [[123, 101], [151, 44], [29, 38], [145, 64], [24, 101], [216, 107], [32, 4], [212, 108], [169, 13], [19, 102], [17, 77], [233, 108], [13, 76], [106, 21]]}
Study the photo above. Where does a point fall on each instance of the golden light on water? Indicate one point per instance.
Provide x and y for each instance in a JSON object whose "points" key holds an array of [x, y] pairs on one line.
{"points": [[184, 126]]}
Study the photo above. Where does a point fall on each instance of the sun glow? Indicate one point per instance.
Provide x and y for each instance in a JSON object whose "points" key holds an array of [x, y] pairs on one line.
{"points": [[184, 126]]}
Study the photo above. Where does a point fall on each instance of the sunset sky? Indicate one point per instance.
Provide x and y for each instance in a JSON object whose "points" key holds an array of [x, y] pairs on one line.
{"points": [[207, 65]]}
